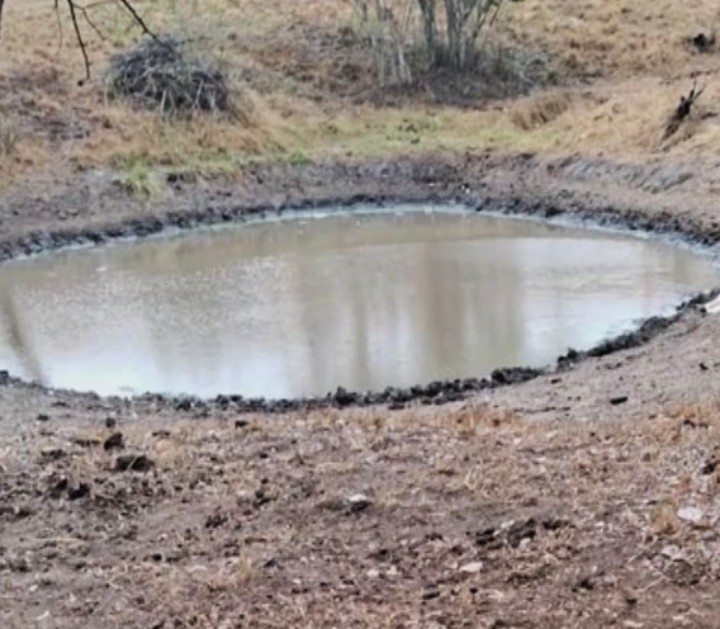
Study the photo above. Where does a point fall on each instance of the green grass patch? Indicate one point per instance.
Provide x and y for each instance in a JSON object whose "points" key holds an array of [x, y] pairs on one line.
{"points": [[141, 179]]}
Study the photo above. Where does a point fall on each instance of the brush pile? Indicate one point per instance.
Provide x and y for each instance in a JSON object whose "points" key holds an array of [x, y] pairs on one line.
{"points": [[159, 75]]}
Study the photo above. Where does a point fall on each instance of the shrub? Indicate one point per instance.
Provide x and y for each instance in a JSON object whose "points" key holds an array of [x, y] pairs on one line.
{"points": [[450, 34]]}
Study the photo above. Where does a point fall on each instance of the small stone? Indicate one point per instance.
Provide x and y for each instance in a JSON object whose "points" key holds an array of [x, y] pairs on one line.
{"points": [[672, 552], [373, 573], [22, 512], [620, 399], [472, 568], [713, 307], [358, 502], [691, 514], [43, 418], [78, 491], [110, 422]]}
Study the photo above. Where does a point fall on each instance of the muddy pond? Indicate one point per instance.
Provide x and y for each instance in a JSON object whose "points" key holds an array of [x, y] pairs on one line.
{"points": [[299, 306]]}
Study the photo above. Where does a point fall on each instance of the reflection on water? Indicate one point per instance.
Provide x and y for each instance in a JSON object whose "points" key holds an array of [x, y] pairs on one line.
{"points": [[303, 306]]}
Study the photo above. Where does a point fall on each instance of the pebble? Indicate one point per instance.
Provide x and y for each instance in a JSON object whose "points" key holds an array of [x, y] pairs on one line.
{"points": [[713, 307], [472, 568], [691, 514], [672, 552], [358, 502]]}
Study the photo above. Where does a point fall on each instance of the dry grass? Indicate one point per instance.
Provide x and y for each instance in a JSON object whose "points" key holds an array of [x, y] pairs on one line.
{"points": [[191, 544], [8, 138], [541, 109], [287, 56], [625, 38]]}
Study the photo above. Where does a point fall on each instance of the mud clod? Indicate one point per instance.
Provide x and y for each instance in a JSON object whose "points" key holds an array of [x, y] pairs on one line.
{"points": [[709, 467], [133, 463], [78, 491], [116, 441], [344, 398]]}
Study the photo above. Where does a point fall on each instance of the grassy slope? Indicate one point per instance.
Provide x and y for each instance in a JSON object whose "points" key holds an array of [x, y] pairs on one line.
{"points": [[626, 63]]}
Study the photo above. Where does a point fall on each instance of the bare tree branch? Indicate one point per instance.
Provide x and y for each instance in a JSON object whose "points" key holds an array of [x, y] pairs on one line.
{"points": [[86, 14], [75, 9], [682, 111], [80, 40], [136, 16]]}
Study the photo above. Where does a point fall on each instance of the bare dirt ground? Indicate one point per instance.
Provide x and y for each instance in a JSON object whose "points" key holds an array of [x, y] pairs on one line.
{"points": [[585, 498]]}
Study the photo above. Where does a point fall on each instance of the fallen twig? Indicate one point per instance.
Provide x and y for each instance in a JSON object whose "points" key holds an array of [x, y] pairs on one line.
{"points": [[682, 111]]}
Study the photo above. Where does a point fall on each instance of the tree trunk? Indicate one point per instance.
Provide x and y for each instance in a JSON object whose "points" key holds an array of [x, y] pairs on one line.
{"points": [[454, 32], [427, 11]]}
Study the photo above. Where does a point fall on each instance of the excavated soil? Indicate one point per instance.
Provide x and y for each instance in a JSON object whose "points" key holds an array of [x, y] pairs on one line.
{"points": [[472, 513]]}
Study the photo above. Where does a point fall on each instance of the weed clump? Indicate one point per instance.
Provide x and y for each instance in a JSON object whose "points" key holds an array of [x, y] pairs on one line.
{"points": [[160, 75], [8, 137]]}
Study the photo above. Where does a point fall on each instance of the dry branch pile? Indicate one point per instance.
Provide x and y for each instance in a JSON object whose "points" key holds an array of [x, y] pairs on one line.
{"points": [[159, 75]]}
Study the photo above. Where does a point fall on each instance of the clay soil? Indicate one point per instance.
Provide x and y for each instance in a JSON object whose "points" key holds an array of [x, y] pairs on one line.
{"points": [[586, 497]]}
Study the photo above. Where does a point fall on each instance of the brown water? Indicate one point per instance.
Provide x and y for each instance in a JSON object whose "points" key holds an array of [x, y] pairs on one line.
{"points": [[299, 307]]}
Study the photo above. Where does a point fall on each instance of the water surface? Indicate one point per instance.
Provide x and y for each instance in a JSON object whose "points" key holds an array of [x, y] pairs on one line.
{"points": [[299, 307]]}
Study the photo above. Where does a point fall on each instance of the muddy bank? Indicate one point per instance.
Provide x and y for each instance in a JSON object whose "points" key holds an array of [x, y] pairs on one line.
{"points": [[33, 222]]}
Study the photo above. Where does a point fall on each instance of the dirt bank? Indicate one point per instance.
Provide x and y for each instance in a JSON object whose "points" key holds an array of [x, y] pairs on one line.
{"points": [[149, 513]]}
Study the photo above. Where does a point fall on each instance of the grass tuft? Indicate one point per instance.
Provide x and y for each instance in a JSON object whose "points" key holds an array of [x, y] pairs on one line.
{"points": [[540, 110], [8, 137], [298, 158], [141, 180]]}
